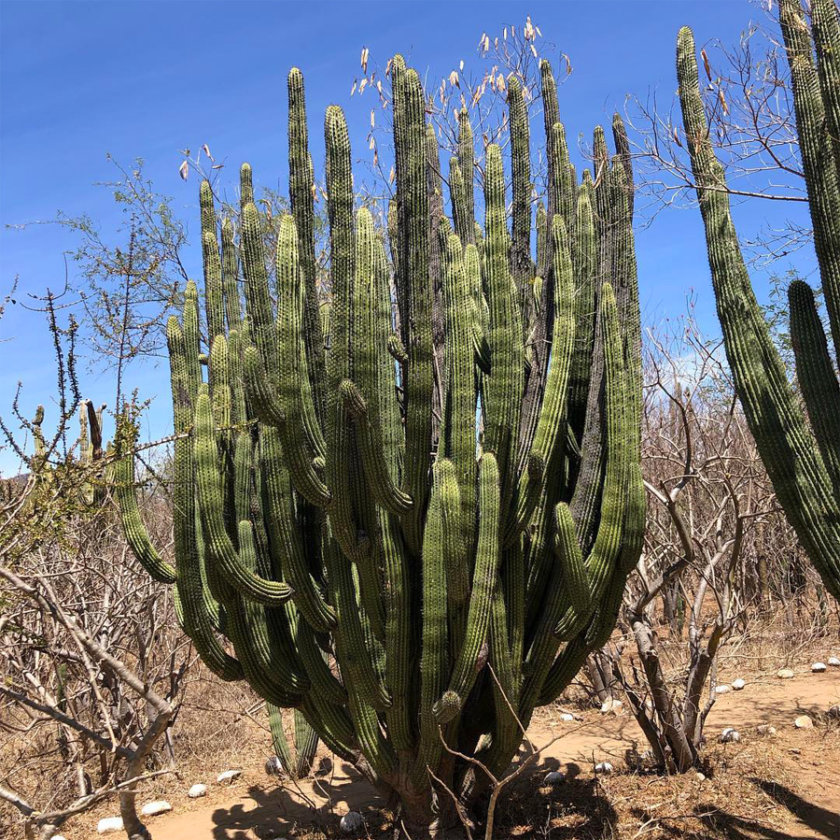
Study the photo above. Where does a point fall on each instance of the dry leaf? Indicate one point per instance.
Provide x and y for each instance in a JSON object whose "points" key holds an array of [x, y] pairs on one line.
{"points": [[453, 79], [461, 65], [706, 64], [392, 175], [500, 81], [353, 89], [364, 59], [372, 118], [722, 99], [206, 149], [534, 50], [363, 85], [218, 166], [184, 169]]}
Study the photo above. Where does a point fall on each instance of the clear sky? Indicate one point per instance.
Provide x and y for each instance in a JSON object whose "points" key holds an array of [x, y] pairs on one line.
{"points": [[147, 79]]}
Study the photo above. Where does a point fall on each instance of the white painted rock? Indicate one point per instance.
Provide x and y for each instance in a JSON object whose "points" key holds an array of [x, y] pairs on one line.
{"points": [[274, 766], [834, 662], [730, 736], [604, 768], [818, 667], [613, 706], [803, 722], [738, 685], [159, 806], [555, 777], [228, 776], [834, 711], [701, 777], [351, 822], [565, 716], [108, 824], [723, 688], [765, 730], [785, 674], [197, 791]]}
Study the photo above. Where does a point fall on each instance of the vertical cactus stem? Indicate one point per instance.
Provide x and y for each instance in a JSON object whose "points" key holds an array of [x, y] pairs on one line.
{"points": [[246, 185], [622, 148], [466, 162], [294, 391], [413, 209], [200, 610], [433, 659], [520, 252], [542, 233], [230, 278], [363, 397], [260, 310], [503, 388], [584, 266], [817, 147], [302, 198], [220, 549], [484, 579], [458, 429], [340, 461], [816, 376], [784, 441], [213, 286]]}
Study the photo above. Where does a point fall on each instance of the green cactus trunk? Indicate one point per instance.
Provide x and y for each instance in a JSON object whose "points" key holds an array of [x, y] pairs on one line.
{"points": [[801, 458]]}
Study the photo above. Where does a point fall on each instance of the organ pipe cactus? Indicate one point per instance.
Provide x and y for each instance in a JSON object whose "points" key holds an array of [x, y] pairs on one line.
{"points": [[801, 458], [410, 585]]}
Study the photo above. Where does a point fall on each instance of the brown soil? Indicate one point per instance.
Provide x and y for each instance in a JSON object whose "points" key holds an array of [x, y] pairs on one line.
{"points": [[767, 788]]}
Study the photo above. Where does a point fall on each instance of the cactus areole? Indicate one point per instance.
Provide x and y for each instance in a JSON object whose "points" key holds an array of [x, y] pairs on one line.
{"points": [[410, 520]]}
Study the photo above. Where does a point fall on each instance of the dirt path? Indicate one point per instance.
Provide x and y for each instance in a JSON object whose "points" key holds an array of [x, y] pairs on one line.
{"points": [[253, 808]]}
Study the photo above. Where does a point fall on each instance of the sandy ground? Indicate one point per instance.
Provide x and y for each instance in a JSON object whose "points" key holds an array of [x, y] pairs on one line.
{"points": [[254, 806]]}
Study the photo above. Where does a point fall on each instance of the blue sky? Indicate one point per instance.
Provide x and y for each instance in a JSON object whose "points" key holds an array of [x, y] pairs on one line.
{"points": [[147, 79]]}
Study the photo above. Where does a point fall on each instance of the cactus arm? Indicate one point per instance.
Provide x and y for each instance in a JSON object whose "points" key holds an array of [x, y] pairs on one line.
{"points": [[200, 611], [520, 251], [816, 376], [434, 656], [484, 579], [221, 550], [817, 146], [285, 536], [294, 392], [302, 198], [458, 429], [230, 278], [784, 441], [503, 388], [466, 163], [213, 286], [413, 209]]}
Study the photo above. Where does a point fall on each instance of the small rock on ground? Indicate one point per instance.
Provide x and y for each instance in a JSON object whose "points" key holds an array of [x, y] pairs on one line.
{"points": [[765, 730], [834, 662], [555, 777], [351, 822], [614, 706], [818, 667], [738, 684], [785, 674], [803, 722], [228, 776], [723, 688], [108, 824], [159, 806], [604, 768]]}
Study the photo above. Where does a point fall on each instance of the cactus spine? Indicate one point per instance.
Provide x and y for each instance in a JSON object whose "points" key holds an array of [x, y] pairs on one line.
{"points": [[347, 553], [801, 458]]}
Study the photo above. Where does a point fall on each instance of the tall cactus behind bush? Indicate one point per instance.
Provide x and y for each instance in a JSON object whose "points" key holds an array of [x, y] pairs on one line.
{"points": [[801, 458], [410, 587]]}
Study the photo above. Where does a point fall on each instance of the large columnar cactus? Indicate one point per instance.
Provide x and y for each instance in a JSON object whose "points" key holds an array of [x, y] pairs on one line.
{"points": [[802, 459], [413, 573]]}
